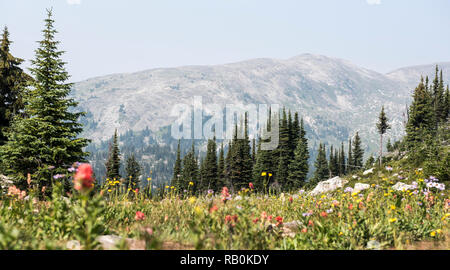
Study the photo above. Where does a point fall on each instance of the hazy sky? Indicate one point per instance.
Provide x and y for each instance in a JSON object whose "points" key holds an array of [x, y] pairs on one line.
{"points": [[112, 36]]}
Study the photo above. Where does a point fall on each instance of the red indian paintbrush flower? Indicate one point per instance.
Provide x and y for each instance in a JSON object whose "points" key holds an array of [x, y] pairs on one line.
{"points": [[83, 179], [139, 216], [279, 220], [251, 185]]}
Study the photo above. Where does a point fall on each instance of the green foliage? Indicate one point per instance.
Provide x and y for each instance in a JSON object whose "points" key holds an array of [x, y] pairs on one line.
{"points": [[113, 162], [322, 172], [47, 137], [12, 84], [133, 170]]}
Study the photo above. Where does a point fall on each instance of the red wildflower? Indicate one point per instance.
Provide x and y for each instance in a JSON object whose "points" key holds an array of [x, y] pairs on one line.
{"points": [[324, 214], [139, 216], [350, 206], [255, 220], [225, 194], [234, 218], [251, 185], [83, 177], [227, 218], [213, 208], [291, 199], [279, 220], [310, 223], [304, 230]]}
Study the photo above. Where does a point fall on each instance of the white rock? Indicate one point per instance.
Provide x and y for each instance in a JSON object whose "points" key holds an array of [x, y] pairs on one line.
{"points": [[73, 245], [355, 176], [328, 185], [360, 186], [369, 171], [399, 186]]}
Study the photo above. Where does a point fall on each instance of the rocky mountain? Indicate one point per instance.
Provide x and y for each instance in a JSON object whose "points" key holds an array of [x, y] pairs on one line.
{"points": [[335, 97]]}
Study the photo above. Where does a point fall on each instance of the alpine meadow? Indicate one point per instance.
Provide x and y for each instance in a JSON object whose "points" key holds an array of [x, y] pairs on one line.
{"points": [[305, 152]]}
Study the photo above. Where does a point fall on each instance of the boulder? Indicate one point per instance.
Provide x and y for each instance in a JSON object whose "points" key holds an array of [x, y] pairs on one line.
{"points": [[109, 242], [73, 245], [328, 185], [289, 229], [360, 186], [399, 186], [369, 171]]}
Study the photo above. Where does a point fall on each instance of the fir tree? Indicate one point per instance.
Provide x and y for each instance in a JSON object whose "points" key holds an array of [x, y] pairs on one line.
{"points": [[210, 167], [342, 169], [358, 152], [321, 165], [382, 127], [421, 121], [221, 168], [298, 168], [177, 169], [133, 170], [190, 172], [12, 85], [350, 162], [283, 151], [49, 135], [113, 162]]}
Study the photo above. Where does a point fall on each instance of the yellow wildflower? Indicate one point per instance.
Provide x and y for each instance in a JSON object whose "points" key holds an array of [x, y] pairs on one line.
{"points": [[393, 207], [192, 200], [263, 174], [433, 233], [393, 220], [191, 183]]}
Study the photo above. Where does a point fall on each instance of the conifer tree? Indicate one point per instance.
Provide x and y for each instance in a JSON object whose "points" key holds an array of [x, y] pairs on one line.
{"points": [[264, 162], [221, 168], [210, 167], [12, 85], [298, 168], [382, 127], [48, 137], [350, 162], [133, 170], [177, 169], [342, 169], [190, 171], [321, 165], [358, 152], [447, 104], [283, 151], [421, 121], [113, 162]]}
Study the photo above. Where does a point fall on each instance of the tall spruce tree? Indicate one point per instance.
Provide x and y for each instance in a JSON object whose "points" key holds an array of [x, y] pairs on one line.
{"points": [[113, 162], [190, 172], [210, 168], [350, 162], [421, 121], [12, 85], [342, 161], [133, 170], [358, 152], [382, 127], [177, 169], [221, 168], [321, 165], [298, 168], [49, 135], [283, 151]]}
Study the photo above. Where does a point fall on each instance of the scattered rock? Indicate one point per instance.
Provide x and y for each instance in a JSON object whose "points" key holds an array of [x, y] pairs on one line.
{"points": [[369, 171], [73, 245], [399, 186], [360, 186], [328, 185], [289, 229], [109, 242], [374, 245]]}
